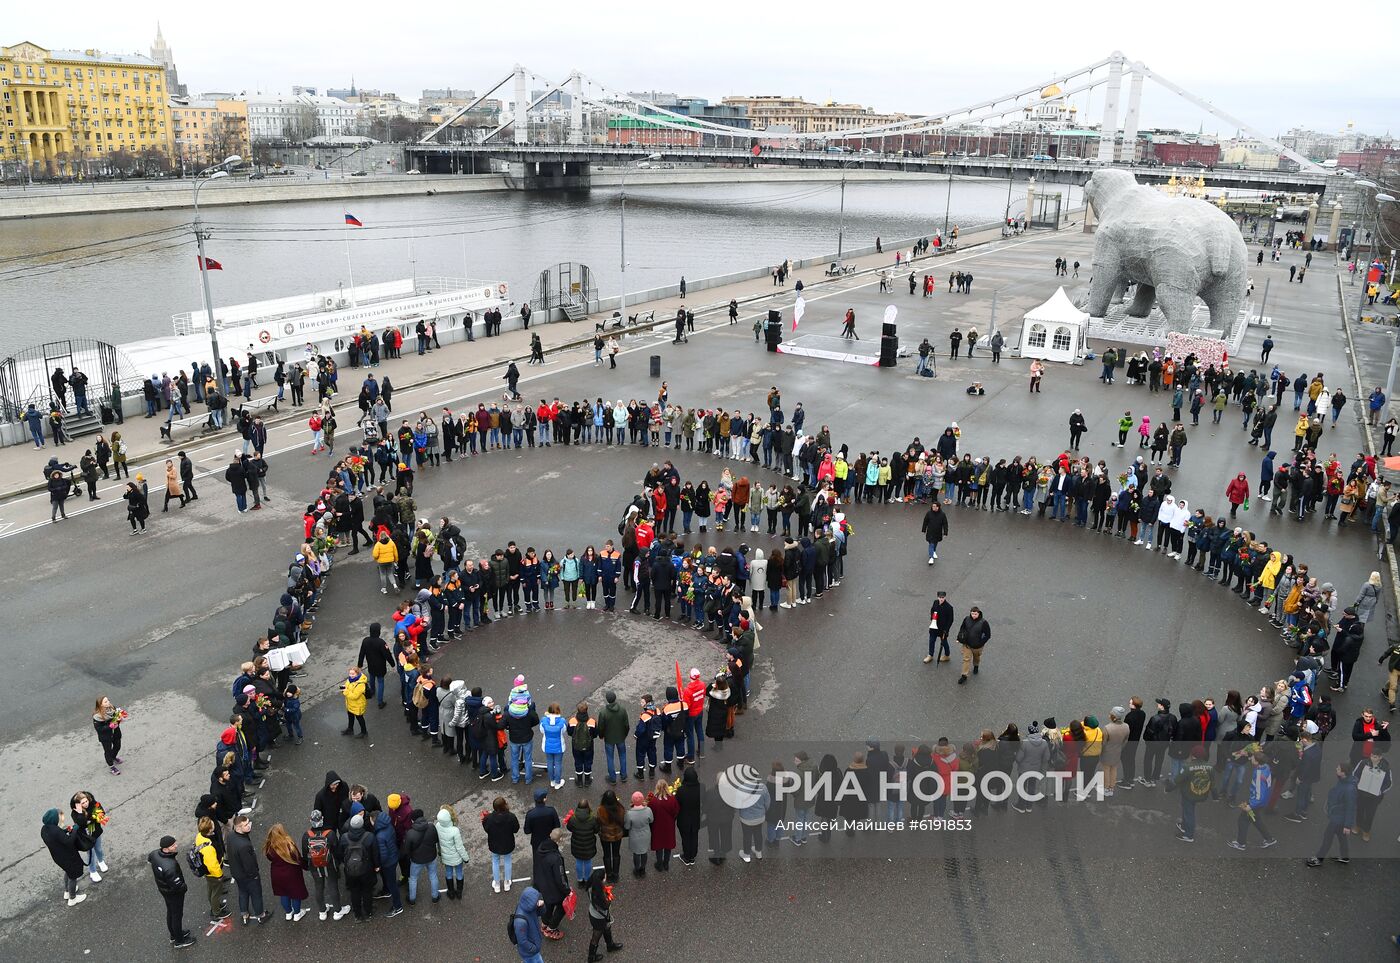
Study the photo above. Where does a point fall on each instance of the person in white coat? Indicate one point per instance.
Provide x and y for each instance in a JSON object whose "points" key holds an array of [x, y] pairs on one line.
{"points": [[758, 575]]}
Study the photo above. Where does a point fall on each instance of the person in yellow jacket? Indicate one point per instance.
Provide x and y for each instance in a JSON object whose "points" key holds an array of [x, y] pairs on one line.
{"points": [[1092, 749], [386, 556], [1268, 579], [356, 690], [841, 470], [213, 870]]}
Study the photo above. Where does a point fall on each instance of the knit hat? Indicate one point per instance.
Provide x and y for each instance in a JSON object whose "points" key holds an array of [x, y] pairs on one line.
{"points": [[357, 821], [317, 820], [1033, 728], [229, 736], [1165, 703], [167, 841], [1119, 711], [1091, 721], [51, 817], [638, 799], [519, 680], [540, 794], [695, 673], [394, 800], [610, 696], [1050, 723]]}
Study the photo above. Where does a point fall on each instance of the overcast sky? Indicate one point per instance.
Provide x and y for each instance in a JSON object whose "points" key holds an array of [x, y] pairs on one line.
{"points": [[1266, 66]]}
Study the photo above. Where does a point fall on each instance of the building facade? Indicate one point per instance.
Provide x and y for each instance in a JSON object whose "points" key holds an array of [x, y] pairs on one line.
{"points": [[630, 131], [163, 55], [204, 131], [804, 117], [298, 117], [79, 112]]}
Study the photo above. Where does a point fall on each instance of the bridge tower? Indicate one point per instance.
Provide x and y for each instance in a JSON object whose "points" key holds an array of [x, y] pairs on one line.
{"points": [[576, 108], [522, 108], [1130, 120], [1108, 130]]}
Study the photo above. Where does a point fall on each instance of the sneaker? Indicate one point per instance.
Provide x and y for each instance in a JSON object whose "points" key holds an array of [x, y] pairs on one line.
{"points": [[185, 941], [743, 854], [321, 916], [928, 659], [1185, 838], [77, 899], [95, 876], [508, 882], [102, 865], [758, 854], [264, 916], [1288, 794], [1236, 844], [340, 913], [1268, 843], [296, 917], [930, 561], [1295, 818], [393, 912], [1312, 862], [1344, 860]]}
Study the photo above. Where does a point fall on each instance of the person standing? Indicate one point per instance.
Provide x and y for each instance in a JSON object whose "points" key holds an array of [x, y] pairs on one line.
{"points": [[682, 287], [935, 528], [243, 864], [1341, 816], [973, 635], [600, 896], [285, 869], [320, 846], [207, 843], [1261, 781], [62, 843], [940, 623], [170, 883], [356, 691], [106, 721]]}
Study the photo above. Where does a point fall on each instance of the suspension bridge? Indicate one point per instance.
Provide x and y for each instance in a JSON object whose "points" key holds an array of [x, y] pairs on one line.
{"points": [[554, 139]]}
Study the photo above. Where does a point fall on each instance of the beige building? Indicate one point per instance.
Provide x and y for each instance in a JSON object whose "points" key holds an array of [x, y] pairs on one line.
{"points": [[70, 111], [204, 132], [804, 117]]}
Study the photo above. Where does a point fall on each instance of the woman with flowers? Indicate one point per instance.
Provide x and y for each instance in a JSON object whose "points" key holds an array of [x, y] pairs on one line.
{"points": [[88, 820], [106, 721]]}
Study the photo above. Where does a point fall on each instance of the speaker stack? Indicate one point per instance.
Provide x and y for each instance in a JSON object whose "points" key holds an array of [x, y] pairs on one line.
{"points": [[889, 345], [773, 329]]}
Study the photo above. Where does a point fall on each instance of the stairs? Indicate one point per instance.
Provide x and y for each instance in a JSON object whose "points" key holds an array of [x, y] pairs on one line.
{"points": [[75, 425], [575, 312]]}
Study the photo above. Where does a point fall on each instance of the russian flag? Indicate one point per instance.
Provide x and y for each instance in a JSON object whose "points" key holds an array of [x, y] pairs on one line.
{"points": [[352, 221]]}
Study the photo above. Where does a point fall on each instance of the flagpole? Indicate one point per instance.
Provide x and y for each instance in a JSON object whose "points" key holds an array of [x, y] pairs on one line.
{"points": [[413, 265], [350, 267]]}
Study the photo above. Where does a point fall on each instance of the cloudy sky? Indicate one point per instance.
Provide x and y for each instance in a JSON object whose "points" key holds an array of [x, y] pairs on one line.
{"points": [[916, 59]]}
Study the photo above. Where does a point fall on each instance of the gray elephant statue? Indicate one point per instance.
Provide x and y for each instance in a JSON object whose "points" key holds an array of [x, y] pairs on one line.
{"points": [[1175, 248]]}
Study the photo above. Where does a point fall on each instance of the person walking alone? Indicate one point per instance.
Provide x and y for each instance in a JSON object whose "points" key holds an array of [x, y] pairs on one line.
{"points": [[935, 528], [973, 634]]}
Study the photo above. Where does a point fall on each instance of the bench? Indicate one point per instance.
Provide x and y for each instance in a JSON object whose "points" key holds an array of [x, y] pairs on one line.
{"points": [[255, 405], [204, 422]]}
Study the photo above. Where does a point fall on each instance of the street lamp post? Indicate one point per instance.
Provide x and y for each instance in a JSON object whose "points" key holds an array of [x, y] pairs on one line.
{"points": [[622, 232], [216, 172], [1380, 198]]}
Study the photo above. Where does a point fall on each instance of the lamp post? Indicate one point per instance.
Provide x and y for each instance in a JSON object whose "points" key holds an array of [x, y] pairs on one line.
{"points": [[1380, 198], [622, 231], [215, 173]]}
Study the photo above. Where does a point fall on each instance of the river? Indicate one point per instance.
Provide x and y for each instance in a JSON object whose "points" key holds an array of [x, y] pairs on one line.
{"points": [[126, 290]]}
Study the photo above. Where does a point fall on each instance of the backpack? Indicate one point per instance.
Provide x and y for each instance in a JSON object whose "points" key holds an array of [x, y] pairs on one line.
{"points": [[318, 849], [510, 927], [195, 857], [420, 698], [356, 865], [583, 737], [675, 725]]}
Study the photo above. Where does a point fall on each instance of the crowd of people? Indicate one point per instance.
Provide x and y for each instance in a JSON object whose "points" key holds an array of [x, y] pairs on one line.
{"points": [[1260, 743]]}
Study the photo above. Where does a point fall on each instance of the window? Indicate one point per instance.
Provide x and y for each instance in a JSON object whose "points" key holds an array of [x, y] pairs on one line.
{"points": [[1037, 336], [1062, 339]]}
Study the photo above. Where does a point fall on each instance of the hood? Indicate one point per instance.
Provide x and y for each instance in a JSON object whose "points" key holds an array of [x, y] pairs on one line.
{"points": [[691, 777], [1273, 454], [444, 821], [672, 695], [457, 684], [331, 777], [381, 823], [374, 630], [758, 554], [529, 902]]}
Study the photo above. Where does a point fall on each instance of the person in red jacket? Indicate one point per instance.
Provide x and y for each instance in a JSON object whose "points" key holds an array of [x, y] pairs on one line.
{"points": [[694, 698], [1237, 492], [645, 536]]}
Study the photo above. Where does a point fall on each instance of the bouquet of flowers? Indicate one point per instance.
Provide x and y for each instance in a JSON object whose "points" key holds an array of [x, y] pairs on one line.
{"points": [[98, 814], [263, 703], [117, 717]]}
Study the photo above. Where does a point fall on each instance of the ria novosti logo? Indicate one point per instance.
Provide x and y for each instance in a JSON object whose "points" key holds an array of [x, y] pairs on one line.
{"points": [[740, 786]]}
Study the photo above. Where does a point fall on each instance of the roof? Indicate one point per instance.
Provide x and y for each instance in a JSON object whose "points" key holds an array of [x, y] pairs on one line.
{"points": [[632, 123], [1058, 310], [98, 57]]}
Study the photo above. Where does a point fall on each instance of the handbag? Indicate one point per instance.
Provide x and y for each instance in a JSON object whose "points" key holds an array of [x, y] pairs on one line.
{"points": [[571, 903]]}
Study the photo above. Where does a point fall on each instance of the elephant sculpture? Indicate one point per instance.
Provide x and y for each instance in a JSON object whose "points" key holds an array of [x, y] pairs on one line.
{"points": [[1175, 248]]}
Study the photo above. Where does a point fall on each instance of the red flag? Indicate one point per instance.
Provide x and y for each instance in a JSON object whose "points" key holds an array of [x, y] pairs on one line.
{"points": [[209, 264], [680, 687]]}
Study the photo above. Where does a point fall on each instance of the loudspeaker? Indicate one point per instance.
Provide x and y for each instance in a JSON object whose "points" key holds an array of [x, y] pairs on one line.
{"points": [[773, 330], [887, 329], [656, 366], [889, 349]]}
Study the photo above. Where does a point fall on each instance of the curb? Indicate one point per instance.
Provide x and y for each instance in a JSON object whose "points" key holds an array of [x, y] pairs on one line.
{"points": [[1391, 559]]}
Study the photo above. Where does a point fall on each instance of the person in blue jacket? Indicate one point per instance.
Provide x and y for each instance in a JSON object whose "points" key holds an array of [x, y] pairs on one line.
{"points": [[1341, 816], [1261, 782], [525, 925], [387, 848]]}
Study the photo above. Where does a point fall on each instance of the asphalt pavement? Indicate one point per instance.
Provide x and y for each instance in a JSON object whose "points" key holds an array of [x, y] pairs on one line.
{"points": [[1081, 622]]}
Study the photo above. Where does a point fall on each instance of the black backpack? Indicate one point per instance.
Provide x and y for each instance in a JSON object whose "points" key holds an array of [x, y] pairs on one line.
{"points": [[195, 857], [510, 927], [356, 863]]}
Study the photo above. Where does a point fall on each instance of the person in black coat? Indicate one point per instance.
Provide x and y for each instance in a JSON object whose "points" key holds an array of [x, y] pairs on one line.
{"points": [[1136, 720], [935, 528], [691, 799], [551, 879], [331, 800], [375, 658], [243, 866], [62, 842], [940, 619], [170, 883]]}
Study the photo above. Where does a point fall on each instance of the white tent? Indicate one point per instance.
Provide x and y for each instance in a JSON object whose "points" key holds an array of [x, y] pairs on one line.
{"points": [[1055, 330]]}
